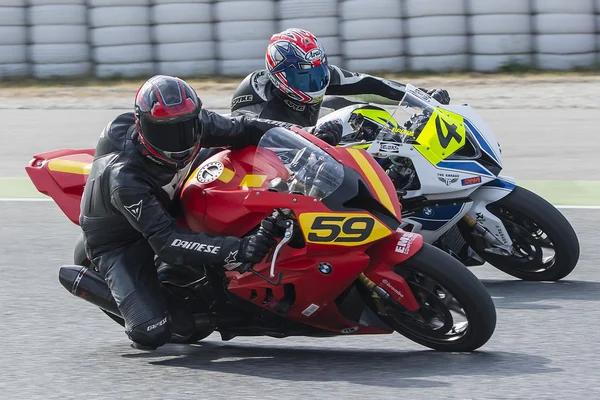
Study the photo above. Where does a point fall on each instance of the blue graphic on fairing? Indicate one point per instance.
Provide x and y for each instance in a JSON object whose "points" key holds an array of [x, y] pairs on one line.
{"points": [[485, 146], [470, 166], [501, 183], [440, 216]]}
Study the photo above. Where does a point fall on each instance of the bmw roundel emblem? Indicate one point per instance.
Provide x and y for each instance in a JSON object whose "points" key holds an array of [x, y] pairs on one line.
{"points": [[428, 211], [325, 268]]}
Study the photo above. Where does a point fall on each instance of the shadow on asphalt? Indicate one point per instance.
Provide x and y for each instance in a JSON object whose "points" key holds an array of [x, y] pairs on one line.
{"points": [[524, 295], [397, 369]]}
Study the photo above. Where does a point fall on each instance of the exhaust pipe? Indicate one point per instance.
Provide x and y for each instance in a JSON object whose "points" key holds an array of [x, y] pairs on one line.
{"points": [[89, 285]]}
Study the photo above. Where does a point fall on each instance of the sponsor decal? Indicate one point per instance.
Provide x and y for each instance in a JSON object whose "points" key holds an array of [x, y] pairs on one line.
{"points": [[310, 310], [392, 288], [479, 217], [325, 268], [349, 330], [294, 106], [314, 54], [241, 99], [201, 247], [470, 181], [404, 243], [135, 210], [156, 325], [230, 261], [448, 179], [428, 211], [389, 147]]}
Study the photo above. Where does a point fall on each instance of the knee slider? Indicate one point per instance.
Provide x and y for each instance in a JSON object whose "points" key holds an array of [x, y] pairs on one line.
{"points": [[153, 333]]}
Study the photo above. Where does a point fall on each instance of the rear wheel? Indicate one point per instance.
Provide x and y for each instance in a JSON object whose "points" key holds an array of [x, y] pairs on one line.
{"points": [[456, 312], [545, 245]]}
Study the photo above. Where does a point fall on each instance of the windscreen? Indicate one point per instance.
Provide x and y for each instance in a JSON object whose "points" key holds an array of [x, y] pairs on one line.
{"points": [[312, 172]]}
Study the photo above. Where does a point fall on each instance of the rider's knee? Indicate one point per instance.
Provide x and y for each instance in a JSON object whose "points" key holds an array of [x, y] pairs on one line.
{"points": [[153, 333]]}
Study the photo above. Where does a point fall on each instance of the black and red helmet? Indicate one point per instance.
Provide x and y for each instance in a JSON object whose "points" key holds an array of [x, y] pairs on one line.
{"points": [[167, 115]]}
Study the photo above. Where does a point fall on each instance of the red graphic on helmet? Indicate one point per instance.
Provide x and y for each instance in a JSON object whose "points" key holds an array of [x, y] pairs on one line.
{"points": [[297, 65]]}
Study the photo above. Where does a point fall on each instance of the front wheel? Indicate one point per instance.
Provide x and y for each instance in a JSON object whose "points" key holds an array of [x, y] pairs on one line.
{"points": [[545, 245], [456, 313]]}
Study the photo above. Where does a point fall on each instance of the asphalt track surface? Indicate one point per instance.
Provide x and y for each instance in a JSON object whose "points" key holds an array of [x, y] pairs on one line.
{"points": [[54, 346]]}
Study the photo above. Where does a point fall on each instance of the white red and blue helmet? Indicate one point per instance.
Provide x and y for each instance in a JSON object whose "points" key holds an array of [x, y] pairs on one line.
{"points": [[297, 65]]}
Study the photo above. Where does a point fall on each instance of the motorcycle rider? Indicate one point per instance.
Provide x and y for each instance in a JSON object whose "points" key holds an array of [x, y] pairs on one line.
{"points": [[296, 78], [140, 161]]}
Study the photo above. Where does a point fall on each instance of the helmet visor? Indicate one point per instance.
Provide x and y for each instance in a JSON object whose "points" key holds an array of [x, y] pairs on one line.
{"points": [[176, 142], [308, 80]]}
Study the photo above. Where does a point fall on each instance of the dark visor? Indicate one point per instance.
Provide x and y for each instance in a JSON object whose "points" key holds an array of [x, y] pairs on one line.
{"points": [[308, 80]]}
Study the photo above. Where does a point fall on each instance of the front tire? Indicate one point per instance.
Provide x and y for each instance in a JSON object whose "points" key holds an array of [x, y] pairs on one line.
{"points": [[534, 225], [442, 285]]}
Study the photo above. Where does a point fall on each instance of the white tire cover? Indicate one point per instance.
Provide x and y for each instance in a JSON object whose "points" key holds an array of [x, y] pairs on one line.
{"points": [[47, 2], [501, 44], [59, 53], [60, 70], [331, 44], [240, 67], [421, 8], [112, 3], [502, 23], [563, 6], [289, 9], [41, 34], [12, 70], [360, 9], [119, 16], [373, 48], [565, 61], [13, 53], [327, 26], [13, 35], [245, 30], [181, 13], [565, 43], [179, 33], [242, 49], [456, 62], [120, 35], [498, 7], [131, 53], [437, 26], [565, 23], [70, 14], [185, 51], [364, 29], [437, 45], [187, 68], [370, 65], [244, 10], [12, 16], [130, 70], [493, 62]]}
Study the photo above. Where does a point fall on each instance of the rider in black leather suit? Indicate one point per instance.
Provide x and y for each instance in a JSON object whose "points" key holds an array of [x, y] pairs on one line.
{"points": [[140, 162], [291, 90]]}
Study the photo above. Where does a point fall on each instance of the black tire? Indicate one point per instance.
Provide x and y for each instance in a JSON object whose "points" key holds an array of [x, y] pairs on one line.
{"points": [[528, 206], [459, 282]]}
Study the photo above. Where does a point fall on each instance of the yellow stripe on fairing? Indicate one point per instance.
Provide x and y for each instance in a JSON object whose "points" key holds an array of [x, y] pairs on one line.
{"points": [[384, 198], [227, 175], [252, 180], [68, 166]]}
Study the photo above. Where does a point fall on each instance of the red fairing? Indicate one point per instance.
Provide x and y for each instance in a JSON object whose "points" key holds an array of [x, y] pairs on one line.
{"points": [[64, 187]]}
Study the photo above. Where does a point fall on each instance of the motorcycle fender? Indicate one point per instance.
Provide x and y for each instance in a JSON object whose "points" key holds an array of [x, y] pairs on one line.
{"points": [[487, 194], [395, 249]]}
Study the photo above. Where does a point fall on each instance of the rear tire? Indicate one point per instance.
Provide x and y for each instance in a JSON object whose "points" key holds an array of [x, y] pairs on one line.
{"points": [[523, 211], [462, 286]]}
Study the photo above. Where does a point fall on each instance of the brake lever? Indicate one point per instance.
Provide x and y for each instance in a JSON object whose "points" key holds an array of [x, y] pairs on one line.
{"points": [[287, 236]]}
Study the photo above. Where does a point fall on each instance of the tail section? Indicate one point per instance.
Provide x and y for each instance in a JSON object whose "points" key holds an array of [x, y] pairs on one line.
{"points": [[61, 175]]}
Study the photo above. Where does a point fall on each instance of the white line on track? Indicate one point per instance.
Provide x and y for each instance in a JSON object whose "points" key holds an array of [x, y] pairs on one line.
{"points": [[36, 199]]}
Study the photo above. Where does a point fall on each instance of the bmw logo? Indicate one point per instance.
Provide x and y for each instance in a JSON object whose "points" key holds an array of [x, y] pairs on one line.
{"points": [[325, 268], [428, 211]]}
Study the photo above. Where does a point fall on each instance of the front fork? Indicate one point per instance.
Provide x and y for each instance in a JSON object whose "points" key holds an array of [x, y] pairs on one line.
{"points": [[495, 246]]}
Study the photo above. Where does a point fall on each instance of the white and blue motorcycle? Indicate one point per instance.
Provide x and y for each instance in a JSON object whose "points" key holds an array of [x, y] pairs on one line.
{"points": [[445, 163]]}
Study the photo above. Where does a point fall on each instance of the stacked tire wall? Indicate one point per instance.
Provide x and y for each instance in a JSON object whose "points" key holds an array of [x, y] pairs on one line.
{"points": [[138, 38]]}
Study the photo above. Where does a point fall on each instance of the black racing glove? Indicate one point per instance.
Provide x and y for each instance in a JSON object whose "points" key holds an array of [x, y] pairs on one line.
{"points": [[440, 95], [330, 132], [253, 248]]}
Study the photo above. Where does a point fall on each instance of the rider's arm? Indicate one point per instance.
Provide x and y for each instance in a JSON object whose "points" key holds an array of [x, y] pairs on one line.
{"points": [[171, 244], [351, 83]]}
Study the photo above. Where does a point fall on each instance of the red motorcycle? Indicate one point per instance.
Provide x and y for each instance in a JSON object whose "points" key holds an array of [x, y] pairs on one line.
{"points": [[343, 267]]}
